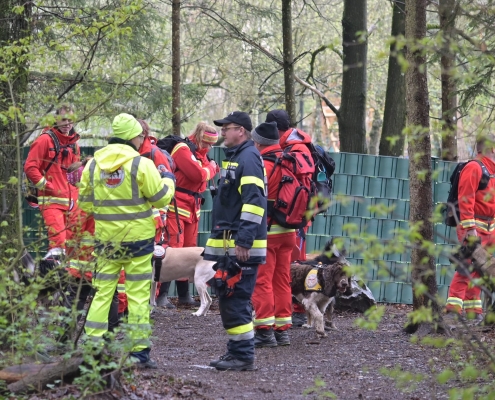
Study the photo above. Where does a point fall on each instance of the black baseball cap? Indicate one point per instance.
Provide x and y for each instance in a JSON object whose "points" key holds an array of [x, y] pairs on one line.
{"points": [[236, 117], [281, 117]]}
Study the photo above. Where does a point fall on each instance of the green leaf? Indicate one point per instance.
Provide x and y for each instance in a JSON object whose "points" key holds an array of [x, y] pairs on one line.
{"points": [[444, 376]]}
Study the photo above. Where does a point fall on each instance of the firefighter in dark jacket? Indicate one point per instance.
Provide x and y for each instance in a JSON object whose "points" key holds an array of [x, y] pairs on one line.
{"points": [[239, 227]]}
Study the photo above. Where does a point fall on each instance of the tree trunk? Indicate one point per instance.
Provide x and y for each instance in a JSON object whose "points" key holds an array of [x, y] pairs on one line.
{"points": [[447, 12], [394, 116], [420, 181], [352, 112], [29, 377], [176, 67], [14, 33], [375, 132], [290, 97]]}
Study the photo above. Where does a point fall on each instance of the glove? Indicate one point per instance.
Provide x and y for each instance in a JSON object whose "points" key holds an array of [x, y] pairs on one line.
{"points": [[227, 274], [74, 177]]}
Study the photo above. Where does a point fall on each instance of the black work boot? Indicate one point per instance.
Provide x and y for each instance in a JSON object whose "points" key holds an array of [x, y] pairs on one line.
{"points": [[141, 359], [162, 299], [221, 358], [282, 338], [298, 319], [185, 298], [264, 338], [230, 363]]}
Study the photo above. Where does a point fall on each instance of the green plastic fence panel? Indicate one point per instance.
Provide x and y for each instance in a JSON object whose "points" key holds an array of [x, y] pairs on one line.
{"points": [[311, 243], [374, 187], [362, 207], [400, 272], [393, 188], [387, 167], [375, 287], [402, 169], [441, 191], [319, 225], [202, 238], [391, 292], [347, 205], [337, 157], [371, 226], [352, 164], [369, 165], [335, 225], [406, 293], [358, 185], [401, 210], [405, 190], [340, 184]]}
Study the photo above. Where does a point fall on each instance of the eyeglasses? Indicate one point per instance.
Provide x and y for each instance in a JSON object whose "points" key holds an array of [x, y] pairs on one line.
{"points": [[223, 130]]}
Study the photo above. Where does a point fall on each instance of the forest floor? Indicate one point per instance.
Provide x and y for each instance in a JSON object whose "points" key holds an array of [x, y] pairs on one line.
{"points": [[348, 364]]}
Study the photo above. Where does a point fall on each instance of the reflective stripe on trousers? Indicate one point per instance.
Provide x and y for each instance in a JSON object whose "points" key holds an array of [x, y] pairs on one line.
{"points": [[137, 287]]}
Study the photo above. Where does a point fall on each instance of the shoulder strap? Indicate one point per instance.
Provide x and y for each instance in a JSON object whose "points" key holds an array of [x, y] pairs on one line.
{"points": [[271, 156], [55, 140], [56, 143]]}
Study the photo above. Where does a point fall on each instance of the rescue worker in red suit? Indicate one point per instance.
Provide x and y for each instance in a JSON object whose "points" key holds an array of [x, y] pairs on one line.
{"points": [[298, 140], [272, 297], [57, 199], [477, 218], [149, 150], [193, 170]]}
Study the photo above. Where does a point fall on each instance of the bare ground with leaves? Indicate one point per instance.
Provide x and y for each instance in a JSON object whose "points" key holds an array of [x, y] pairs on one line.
{"points": [[347, 364]]}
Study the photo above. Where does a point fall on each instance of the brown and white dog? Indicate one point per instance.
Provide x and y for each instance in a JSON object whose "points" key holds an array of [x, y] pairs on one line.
{"points": [[187, 262], [330, 277]]}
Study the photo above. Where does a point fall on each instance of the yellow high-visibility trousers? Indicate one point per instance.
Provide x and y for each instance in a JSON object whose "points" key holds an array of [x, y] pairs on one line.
{"points": [[138, 272]]}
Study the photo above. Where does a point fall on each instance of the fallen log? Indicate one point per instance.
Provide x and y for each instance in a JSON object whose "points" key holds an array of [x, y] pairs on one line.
{"points": [[28, 377]]}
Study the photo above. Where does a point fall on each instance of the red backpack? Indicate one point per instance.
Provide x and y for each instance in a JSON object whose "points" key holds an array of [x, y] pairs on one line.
{"points": [[292, 206]]}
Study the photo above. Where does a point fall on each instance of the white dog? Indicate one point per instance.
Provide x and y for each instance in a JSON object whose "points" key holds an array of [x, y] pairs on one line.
{"points": [[187, 262]]}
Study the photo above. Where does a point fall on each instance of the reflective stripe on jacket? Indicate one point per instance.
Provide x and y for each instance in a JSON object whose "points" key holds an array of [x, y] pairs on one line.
{"points": [[477, 207], [119, 188], [240, 205]]}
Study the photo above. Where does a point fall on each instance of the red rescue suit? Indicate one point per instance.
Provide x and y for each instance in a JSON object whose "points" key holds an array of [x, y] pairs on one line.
{"points": [[272, 297], [192, 173], [58, 204], [477, 211]]}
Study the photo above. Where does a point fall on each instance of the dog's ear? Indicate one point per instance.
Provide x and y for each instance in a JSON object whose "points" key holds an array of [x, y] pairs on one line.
{"points": [[328, 245]]}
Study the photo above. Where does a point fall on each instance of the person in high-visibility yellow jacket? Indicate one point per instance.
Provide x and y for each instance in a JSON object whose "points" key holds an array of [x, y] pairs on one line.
{"points": [[119, 187]]}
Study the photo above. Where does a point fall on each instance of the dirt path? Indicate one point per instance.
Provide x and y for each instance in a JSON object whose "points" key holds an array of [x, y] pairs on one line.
{"points": [[348, 362]]}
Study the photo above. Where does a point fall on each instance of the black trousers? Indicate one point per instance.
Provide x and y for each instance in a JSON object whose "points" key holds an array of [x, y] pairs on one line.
{"points": [[237, 317]]}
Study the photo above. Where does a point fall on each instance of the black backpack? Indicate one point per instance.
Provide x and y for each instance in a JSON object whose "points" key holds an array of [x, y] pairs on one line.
{"points": [[169, 142], [322, 177], [30, 191], [451, 208]]}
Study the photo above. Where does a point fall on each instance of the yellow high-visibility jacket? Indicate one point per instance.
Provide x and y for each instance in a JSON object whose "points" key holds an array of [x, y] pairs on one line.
{"points": [[119, 187]]}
